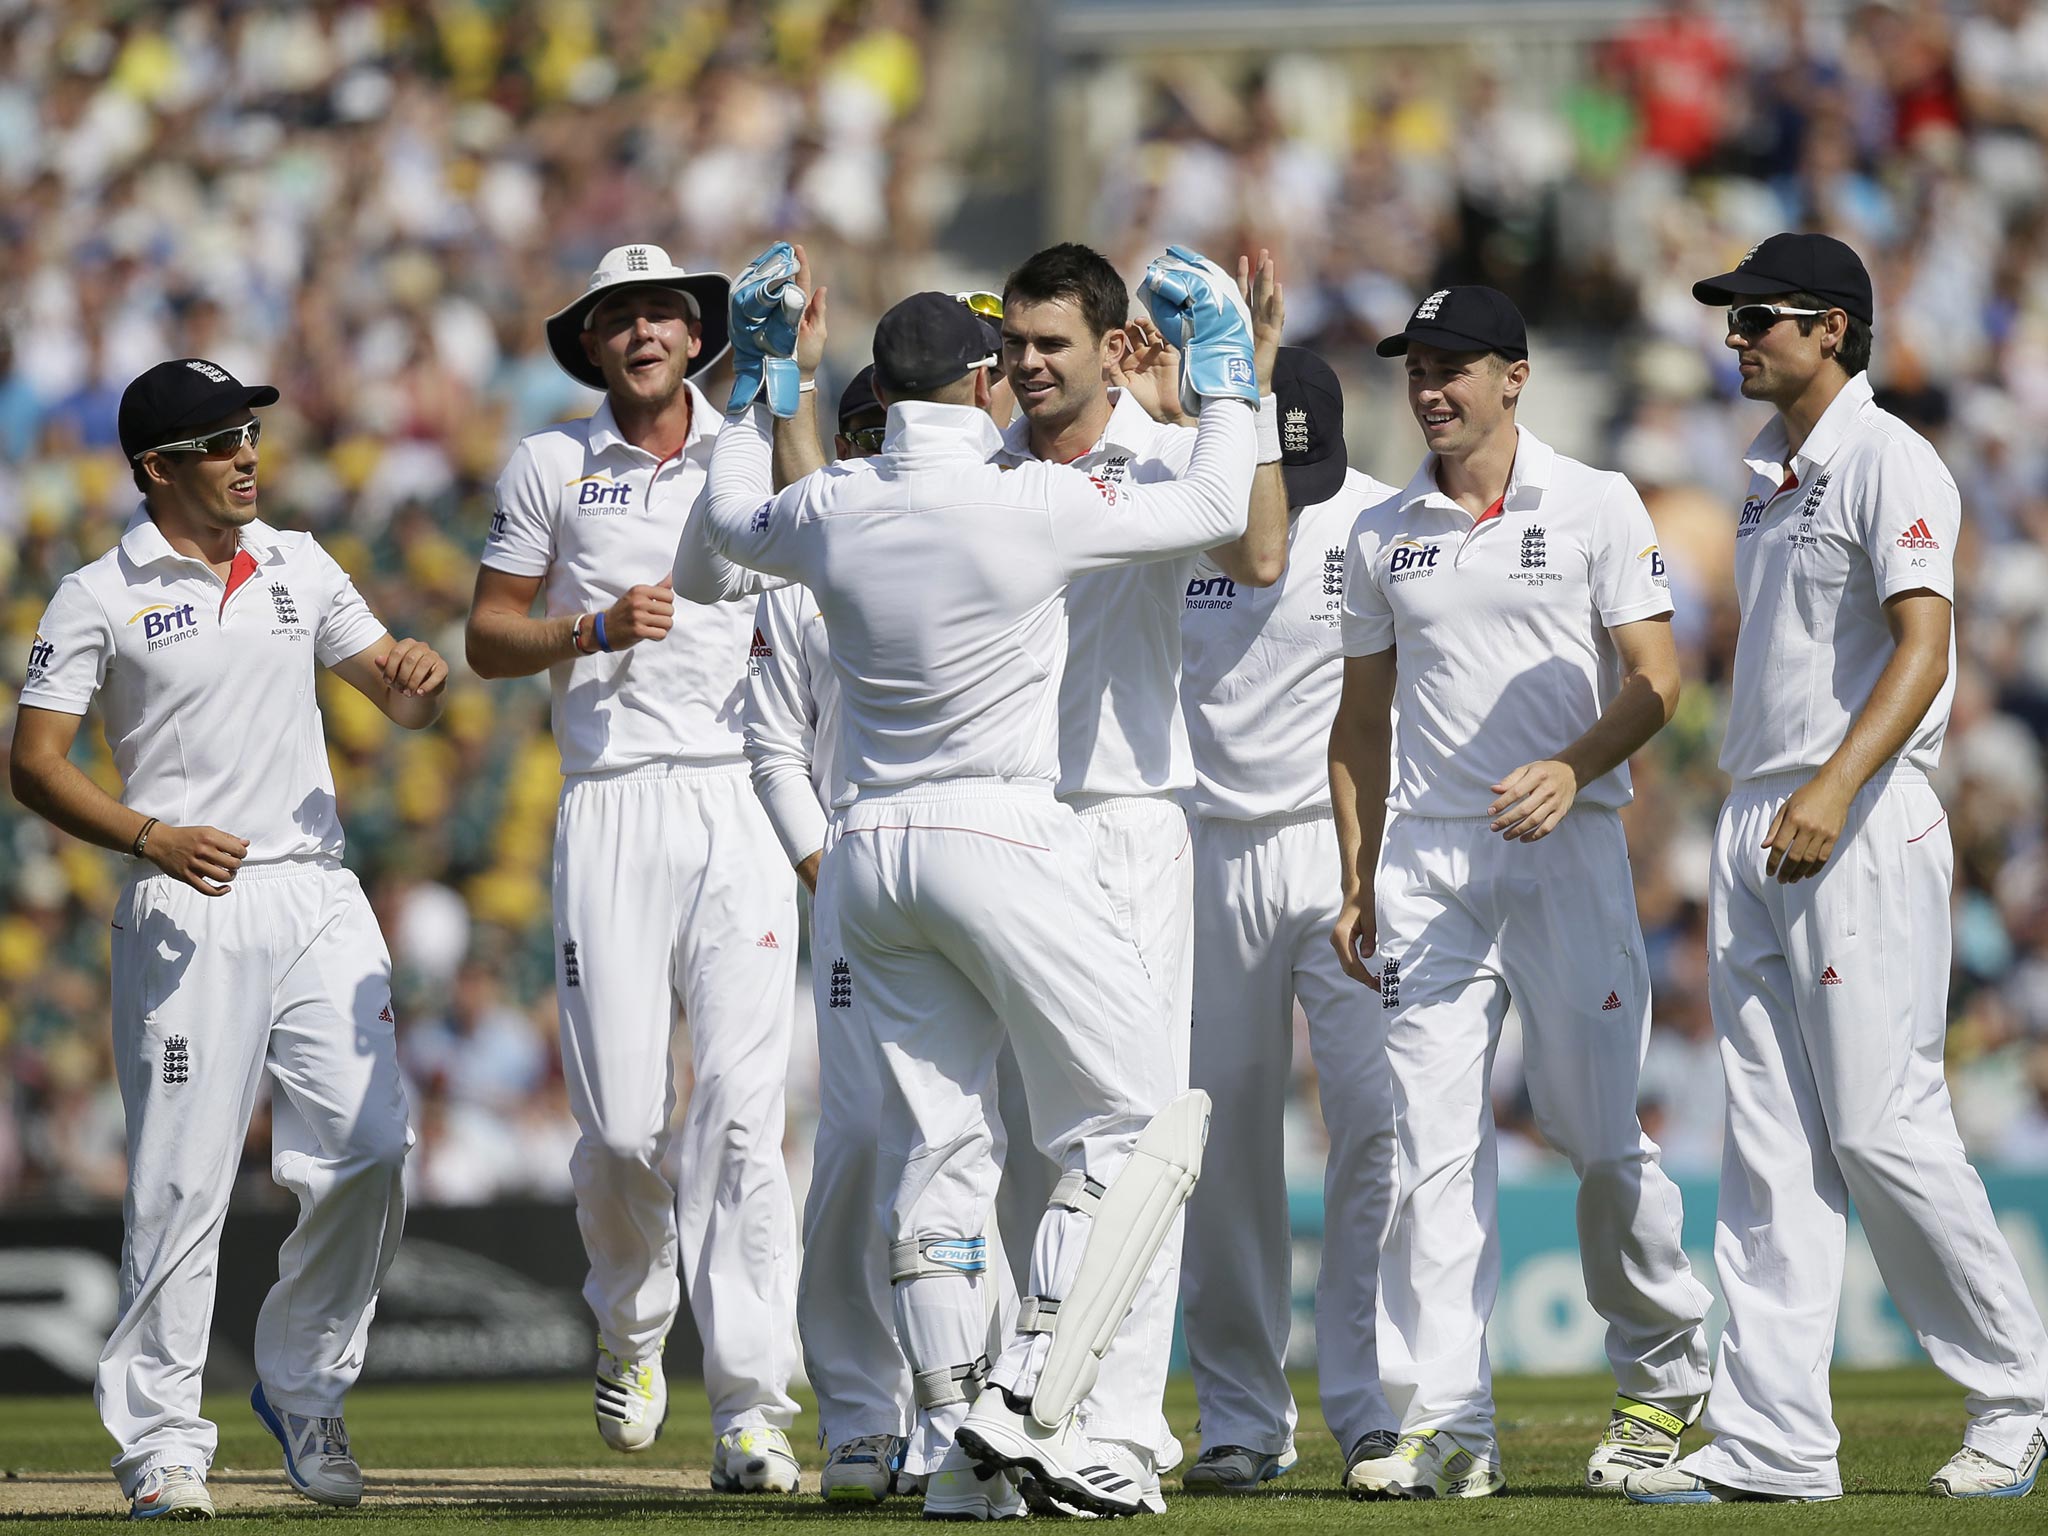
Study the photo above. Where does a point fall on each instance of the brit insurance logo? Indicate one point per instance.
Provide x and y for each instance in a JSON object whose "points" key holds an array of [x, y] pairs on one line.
{"points": [[165, 623], [1412, 559], [1211, 592], [40, 654], [601, 495], [1752, 516], [1659, 574]]}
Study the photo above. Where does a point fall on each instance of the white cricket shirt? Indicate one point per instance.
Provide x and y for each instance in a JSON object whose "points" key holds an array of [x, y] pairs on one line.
{"points": [[943, 576], [1500, 624], [1864, 511], [1263, 667], [206, 694], [1121, 731], [792, 719], [594, 515]]}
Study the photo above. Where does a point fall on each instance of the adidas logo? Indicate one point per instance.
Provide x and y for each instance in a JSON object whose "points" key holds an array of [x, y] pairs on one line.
{"points": [[760, 647], [767, 941], [1613, 1002], [386, 1016], [1919, 536], [1828, 978]]}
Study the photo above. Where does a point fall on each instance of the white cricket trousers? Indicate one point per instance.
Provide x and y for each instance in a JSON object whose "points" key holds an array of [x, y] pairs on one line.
{"points": [[967, 911], [1466, 921], [670, 887], [1831, 1000], [1144, 859], [1266, 895], [286, 974]]}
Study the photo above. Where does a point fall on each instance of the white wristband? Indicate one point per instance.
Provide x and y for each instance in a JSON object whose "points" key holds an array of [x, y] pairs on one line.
{"points": [[809, 386], [1267, 424]]}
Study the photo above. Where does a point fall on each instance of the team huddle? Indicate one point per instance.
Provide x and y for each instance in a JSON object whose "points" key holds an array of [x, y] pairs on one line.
{"points": [[1107, 714]]}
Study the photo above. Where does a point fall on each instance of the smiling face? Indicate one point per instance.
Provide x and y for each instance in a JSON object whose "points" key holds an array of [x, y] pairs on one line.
{"points": [[1054, 364], [215, 493], [1461, 400], [642, 340]]}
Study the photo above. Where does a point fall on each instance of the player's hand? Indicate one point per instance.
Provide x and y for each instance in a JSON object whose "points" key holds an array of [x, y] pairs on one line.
{"points": [[1806, 828], [644, 613], [810, 330], [1268, 302], [1149, 371], [412, 668], [807, 870], [1533, 800], [1356, 936], [204, 858]]}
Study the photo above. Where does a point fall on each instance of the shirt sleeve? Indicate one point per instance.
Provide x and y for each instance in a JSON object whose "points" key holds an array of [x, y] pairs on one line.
{"points": [[1368, 616], [67, 660], [1629, 578], [1908, 519], [1096, 524], [702, 574], [346, 625], [781, 719], [522, 537], [745, 522]]}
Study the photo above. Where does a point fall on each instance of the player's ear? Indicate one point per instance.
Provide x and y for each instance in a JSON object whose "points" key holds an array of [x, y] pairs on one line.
{"points": [[1116, 346], [696, 330], [1513, 378], [590, 349], [982, 397]]}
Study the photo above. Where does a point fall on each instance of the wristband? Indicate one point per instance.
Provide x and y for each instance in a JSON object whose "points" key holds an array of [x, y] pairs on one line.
{"points": [[1267, 425], [576, 636], [142, 837], [602, 643], [808, 387]]}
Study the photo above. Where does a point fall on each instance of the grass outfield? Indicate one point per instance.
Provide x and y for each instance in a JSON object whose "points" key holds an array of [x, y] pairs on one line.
{"points": [[524, 1456]]}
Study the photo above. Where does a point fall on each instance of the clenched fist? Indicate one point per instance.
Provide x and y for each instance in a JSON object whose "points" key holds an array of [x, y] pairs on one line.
{"points": [[413, 668], [644, 613]]}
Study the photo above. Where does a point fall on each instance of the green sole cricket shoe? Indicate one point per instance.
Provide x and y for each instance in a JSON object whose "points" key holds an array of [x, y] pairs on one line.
{"points": [[1428, 1464]]}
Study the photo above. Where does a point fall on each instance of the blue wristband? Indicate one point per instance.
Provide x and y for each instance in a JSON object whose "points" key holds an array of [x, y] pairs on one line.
{"points": [[602, 643]]}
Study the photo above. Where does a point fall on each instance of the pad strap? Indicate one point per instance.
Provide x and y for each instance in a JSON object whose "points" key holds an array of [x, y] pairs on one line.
{"points": [[1077, 1192], [950, 1384], [1038, 1314], [915, 1257]]}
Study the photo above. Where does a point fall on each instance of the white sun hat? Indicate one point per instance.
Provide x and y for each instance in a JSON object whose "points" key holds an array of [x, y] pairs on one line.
{"points": [[641, 266]]}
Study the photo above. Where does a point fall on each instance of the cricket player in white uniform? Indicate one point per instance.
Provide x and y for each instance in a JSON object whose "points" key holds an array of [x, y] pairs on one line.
{"points": [[1828, 919], [965, 895], [1261, 673], [247, 949], [669, 885], [1511, 605]]}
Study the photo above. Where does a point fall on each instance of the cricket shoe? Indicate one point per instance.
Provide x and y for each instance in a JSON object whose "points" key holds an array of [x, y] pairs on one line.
{"points": [[1237, 1469], [1675, 1485], [960, 1490], [1428, 1464], [171, 1493], [631, 1399], [862, 1470], [1099, 1477], [1046, 1501], [316, 1458], [1973, 1475], [755, 1459], [1641, 1437]]}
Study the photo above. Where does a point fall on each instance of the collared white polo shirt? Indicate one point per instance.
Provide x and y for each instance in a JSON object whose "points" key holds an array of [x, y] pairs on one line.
{"points": [[1263, 668], [1864, 511], [206, 691], [1500, 624], [1121, 731], [594, 515]]}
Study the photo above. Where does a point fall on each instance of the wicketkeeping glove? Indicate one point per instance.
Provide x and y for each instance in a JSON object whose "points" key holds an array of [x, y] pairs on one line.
{"points": [[766, 306], [1197, 307]]}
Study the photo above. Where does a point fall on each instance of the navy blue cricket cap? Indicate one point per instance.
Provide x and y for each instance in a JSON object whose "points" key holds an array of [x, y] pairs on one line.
{"points": [[1795, 263], [858, 398], [926, 342], [1469, 318], [1313, 460], [170, 401]]}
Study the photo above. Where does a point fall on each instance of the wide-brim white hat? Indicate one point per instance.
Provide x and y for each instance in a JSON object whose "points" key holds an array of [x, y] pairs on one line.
{"points": [[642, 266]]}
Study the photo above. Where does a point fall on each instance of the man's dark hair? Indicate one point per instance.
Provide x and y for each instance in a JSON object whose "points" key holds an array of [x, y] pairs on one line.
{"points": [[1079, 273], [1854, 352]]}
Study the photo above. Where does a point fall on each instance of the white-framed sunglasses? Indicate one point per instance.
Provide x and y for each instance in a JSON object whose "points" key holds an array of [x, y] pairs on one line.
{"points": [[224, 444], [1750, 321]]}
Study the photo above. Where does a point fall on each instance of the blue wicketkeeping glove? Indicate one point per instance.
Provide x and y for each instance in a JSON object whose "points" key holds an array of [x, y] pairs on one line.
{"points": [[766, 306], [1197, 307]]}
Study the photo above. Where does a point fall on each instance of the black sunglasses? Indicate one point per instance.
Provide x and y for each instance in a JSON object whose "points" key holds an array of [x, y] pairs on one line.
{"points": [[1749, 321], [867, 439]]}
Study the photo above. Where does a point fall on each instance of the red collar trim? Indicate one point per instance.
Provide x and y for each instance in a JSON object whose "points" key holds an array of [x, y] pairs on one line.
{"points": [[239, 570]]}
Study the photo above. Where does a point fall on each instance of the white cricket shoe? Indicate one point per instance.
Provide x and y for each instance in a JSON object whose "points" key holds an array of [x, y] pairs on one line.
{"points": [[1100, 1477], [1426, 1465], [631, 1399], [1973, 1475], [960, 1490], [862, 1470], [1641, 1437], [1236, 1469], [316, 1457], [754, 1459], [171, 1493], [1675, 1485], [1370, 1446]]}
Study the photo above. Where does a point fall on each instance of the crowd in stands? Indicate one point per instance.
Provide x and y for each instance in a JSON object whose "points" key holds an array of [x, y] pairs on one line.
{"points": [[373, 206]]}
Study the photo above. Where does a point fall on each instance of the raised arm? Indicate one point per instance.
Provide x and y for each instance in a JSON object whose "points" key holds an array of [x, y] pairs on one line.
{"points": [[1166, 518]]}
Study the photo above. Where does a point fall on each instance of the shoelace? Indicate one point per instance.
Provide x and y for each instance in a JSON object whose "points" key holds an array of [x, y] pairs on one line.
{"points": [[1411, 1447], [1222, 1453], [1970, 1456], [1627, 1429], [881, 1447], [333, 1436]]}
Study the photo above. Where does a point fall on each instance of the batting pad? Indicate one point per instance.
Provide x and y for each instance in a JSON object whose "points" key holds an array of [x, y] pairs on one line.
{"points": [[1129, 1225]]}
